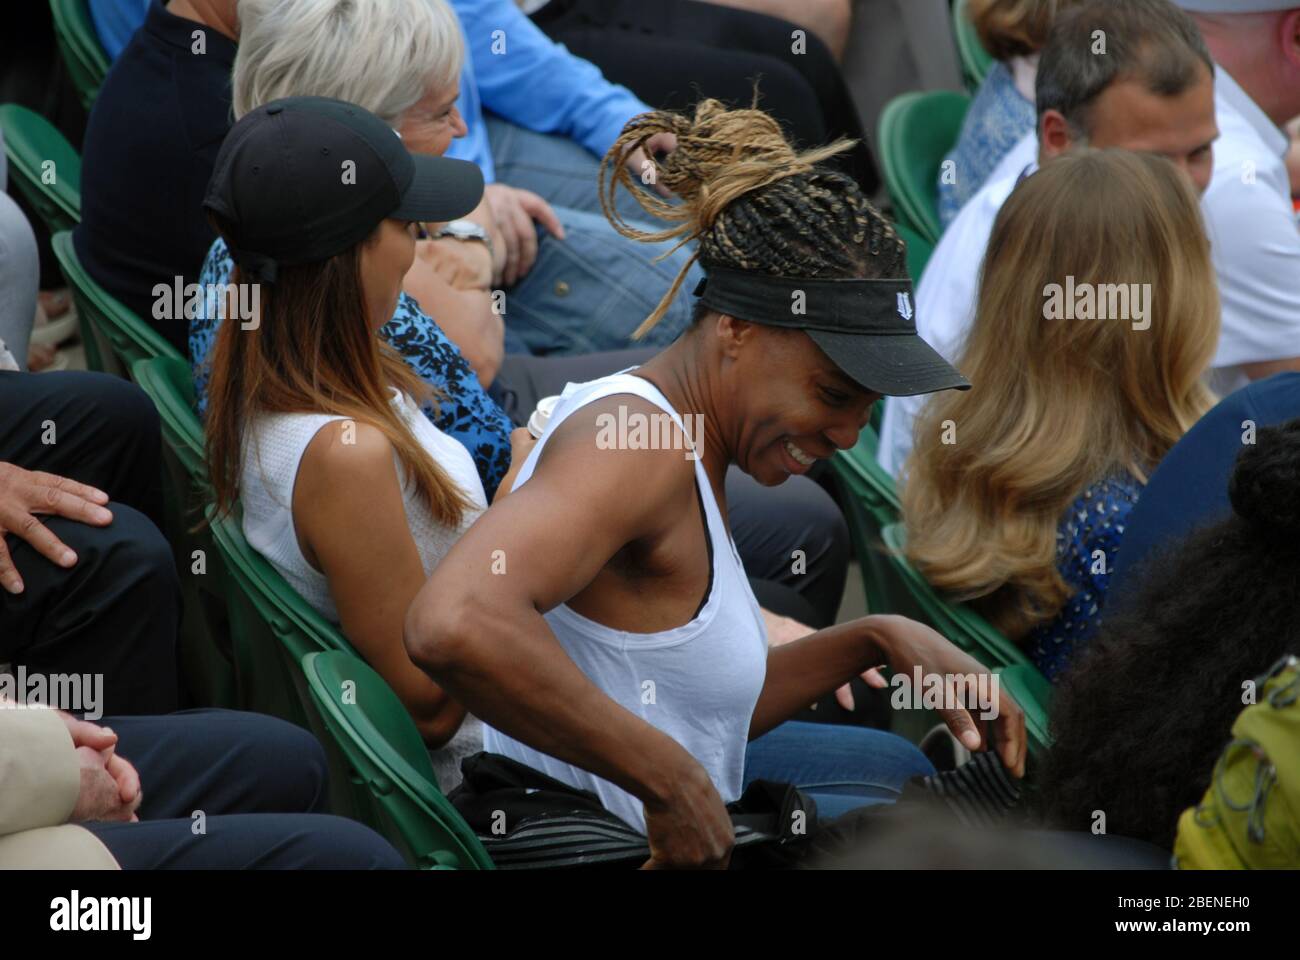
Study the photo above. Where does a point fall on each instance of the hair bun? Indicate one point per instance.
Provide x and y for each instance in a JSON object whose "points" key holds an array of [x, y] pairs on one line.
{"points": [[1265, 485]]}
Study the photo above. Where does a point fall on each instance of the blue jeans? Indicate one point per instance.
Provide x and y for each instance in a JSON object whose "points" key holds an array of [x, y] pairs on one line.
{"points": [[557, 168], [589, 292], [840, 767]]}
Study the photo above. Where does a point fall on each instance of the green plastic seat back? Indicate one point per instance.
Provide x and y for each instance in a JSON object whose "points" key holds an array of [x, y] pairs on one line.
{"points": [[975, 60], [389, 759], [870, 502], [43, 166], [169, 382], [272, 626], [1029, 688], [207, 661], [271, 629], [115, 337], [919, 251], [962, 625], [79, 44], [970, 632], [915, 132]]}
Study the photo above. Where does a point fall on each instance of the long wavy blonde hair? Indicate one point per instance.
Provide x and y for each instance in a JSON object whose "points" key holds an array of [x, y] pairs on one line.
{"points": [[1059, 404]]}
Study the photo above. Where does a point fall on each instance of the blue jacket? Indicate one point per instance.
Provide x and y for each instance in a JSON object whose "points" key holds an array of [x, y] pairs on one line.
{"points": [[521, 75]]}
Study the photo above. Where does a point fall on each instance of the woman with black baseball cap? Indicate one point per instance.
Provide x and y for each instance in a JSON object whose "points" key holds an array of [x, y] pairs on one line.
{"points": [[314, 423], [624, 653]]}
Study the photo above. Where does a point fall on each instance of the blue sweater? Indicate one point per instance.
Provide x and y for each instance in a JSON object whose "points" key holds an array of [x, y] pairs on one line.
{"points": [[523, 76]]}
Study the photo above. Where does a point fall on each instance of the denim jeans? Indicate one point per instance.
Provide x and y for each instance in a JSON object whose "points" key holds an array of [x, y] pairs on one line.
{"points": [[590, 291], [557, 168], [840, 767]]}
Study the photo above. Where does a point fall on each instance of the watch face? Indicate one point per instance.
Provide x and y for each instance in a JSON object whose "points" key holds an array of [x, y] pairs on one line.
{"points": [[465, 230]]}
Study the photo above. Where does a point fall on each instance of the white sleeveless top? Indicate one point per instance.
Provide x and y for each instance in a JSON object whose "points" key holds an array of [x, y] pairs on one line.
{"points": [[698, 683], [274, 445]]}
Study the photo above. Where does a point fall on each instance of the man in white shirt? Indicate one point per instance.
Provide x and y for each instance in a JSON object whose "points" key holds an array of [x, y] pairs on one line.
{"points": [[1136, 76], [1248, 211]]}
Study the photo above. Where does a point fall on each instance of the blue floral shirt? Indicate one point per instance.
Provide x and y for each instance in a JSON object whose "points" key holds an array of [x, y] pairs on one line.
{"points": [[998, 119], [464, 410], [1086, 545]]}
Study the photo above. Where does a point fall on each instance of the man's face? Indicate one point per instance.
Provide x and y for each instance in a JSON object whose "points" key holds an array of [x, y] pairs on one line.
{"points": [[1180, 128]]}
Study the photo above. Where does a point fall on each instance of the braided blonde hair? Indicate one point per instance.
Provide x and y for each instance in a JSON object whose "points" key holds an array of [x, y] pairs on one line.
{"points": [[749, 200]]}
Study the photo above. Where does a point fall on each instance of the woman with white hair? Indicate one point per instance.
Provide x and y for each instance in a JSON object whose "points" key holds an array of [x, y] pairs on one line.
{"points": [[331, 48]]}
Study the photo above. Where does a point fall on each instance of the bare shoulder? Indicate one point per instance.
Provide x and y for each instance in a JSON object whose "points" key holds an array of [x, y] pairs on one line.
{"points": [[346, 458], [619, 439]]}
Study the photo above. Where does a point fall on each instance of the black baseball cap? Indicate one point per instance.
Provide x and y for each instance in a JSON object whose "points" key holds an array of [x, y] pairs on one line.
{"points": [[866, 327], [302, 179]]}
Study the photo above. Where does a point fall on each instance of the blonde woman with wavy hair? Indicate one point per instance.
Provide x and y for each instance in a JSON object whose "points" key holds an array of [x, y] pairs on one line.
{"points": [[1016, 493]]}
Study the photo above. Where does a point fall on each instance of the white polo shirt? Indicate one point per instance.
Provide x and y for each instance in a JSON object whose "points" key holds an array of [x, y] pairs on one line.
{"points": [[1253, 238], [1254, 242]]}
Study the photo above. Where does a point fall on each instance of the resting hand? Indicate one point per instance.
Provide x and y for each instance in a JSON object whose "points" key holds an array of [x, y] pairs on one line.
{"points": [[515, 211], [25, 495]]}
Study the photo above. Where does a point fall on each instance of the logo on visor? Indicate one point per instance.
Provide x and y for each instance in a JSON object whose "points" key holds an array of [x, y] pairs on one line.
{"points": [[905, 305]]}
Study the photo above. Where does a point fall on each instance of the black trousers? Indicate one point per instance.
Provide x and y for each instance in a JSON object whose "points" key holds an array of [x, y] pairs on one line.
{"points": [[230, 790], [768, 523], [673, 53], [117, 611]]}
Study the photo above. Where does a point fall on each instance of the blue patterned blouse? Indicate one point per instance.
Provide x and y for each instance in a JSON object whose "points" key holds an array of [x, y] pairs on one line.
{"points": [[465, 411], [998, 119], [1095, 522]]}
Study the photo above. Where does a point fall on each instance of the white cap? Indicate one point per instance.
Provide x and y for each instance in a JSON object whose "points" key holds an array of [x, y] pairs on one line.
{"points": [[1237, 6]]}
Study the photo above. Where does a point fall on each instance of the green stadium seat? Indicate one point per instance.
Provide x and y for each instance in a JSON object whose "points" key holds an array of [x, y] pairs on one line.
{"points": [[387, 758], [43, 166], [870, 502], [79, 44], [915, 132], [975, 60], [970, 632], [115, 338], [207, 667], [919, 251], [271, 629]]}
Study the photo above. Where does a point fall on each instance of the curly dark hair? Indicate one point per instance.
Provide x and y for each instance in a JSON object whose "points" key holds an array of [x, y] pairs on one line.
{"points": [[1140, 718]]}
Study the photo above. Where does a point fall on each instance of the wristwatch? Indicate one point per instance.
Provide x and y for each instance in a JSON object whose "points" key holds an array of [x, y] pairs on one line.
{"points": [[466, 230]]}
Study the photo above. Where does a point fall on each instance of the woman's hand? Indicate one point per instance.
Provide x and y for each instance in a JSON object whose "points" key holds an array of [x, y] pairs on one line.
{"points": [[782, 630], [907, 645], [692, 829], [463, 264]]}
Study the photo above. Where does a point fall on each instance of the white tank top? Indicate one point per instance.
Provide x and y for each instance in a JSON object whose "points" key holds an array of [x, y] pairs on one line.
{"points": [[698, 683], [273, 449]]}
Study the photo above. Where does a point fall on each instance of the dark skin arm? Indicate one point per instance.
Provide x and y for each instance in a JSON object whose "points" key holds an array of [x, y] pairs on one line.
{"points": [[483, 637], [800, 672]]}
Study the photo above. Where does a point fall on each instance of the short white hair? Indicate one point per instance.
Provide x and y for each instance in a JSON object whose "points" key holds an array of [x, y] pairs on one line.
{"points": [[383, 55]]}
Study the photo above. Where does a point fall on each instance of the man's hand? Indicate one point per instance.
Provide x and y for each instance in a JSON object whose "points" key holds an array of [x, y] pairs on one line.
{"points": [[110, 787], [692, 830], [638, 159], [908, 644], [25, 495], [515, 211]]}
